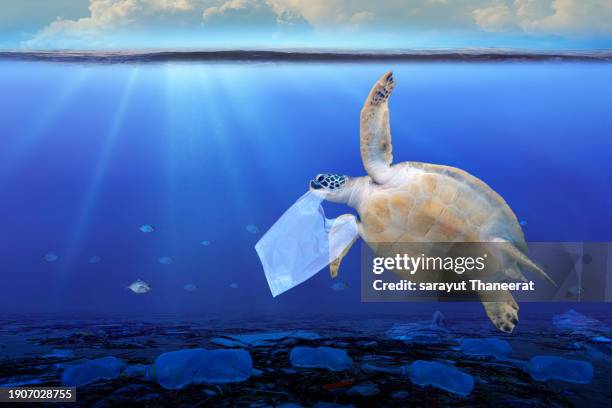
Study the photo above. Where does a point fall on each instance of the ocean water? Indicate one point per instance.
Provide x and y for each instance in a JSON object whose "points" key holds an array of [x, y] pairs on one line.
{"points": [[217, 151]]}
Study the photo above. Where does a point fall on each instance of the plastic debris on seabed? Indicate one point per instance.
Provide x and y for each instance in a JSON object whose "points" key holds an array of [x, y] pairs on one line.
{"points": [[364, 390], [320, 357], [60, 353], [485, 347], [434, 330], [448, 378], [178, 369], [106, 368], [577, 323], [544, 368], [136, 370], [301, 243], [264, 338]]}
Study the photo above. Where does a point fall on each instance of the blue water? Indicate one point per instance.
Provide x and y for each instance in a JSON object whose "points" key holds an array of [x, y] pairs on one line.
{"points": [[89, 153]]}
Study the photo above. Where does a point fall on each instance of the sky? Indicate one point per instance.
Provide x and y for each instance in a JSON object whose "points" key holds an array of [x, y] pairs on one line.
{"points": [[344, 24]]}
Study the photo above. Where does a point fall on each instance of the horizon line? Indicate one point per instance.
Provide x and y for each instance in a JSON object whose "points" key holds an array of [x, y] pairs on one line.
{"points": [[307, 55]]}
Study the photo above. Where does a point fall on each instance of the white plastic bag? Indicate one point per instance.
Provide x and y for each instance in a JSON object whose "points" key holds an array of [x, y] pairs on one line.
{"points": [[302, 242]]}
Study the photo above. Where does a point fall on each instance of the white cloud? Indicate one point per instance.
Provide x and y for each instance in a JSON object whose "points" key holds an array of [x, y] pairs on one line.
{"points": [[496, 17], [548, 17], [109, 20]]}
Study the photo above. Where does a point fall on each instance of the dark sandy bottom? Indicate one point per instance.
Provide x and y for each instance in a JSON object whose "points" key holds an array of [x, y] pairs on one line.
{"points": [[376, 359]]}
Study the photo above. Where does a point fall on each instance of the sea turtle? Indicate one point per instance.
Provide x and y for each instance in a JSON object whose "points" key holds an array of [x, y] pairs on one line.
{"points": [[420, 202]]}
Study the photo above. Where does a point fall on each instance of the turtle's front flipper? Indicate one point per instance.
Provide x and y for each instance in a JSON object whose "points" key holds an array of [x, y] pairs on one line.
{"points": [[338, 232], [503, 313], [375, 132]]}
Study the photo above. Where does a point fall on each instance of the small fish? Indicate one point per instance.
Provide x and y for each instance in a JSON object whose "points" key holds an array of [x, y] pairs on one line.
{"points": [[523, 223], [51, 257], [339, 286], [94, 259], [146, 228], [205, 243], [253, 229], [234, 286], [573, 291], [165, 260], [190, 287], [139, 287]]}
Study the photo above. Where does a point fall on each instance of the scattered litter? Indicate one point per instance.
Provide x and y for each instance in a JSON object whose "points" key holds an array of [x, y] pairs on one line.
{"points": [[380, 369], [263, 338], [364, 390], [439, 375], [573, 321], [21, 383], [420, 331], [222, 341], [400, 395], [146, 228], [177, 369], [59, 353], [139, 287], [136, 370], [106, 368], [485, 347], [544, 368], [323, 357], [338, 385]]}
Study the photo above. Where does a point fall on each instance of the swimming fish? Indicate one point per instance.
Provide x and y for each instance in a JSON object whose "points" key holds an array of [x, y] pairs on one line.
{"points": [[139, 287], [51, 257], [94, 259], [253, 229], [190, 287], [165, 260], [146, 228], [339, 286]]}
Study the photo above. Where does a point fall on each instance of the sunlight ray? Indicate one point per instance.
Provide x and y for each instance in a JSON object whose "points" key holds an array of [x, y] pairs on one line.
{"points": [[89, 201], [41, 122]]}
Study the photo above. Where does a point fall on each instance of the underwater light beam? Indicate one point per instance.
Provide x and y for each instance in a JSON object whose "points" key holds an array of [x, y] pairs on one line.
{"points": [[93, 191], [40, 122]]}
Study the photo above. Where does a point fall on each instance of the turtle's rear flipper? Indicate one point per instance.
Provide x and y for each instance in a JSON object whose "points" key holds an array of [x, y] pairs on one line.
{"points": [[523, 260], [335, 231], [503, 313]]}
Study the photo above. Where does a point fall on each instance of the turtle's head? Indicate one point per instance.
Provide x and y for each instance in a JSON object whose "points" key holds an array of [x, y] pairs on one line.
{"points": [[332, 187]]}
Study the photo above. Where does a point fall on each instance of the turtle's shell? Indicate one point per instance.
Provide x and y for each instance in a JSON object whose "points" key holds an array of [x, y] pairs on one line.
{"points": [[431, 203]]}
